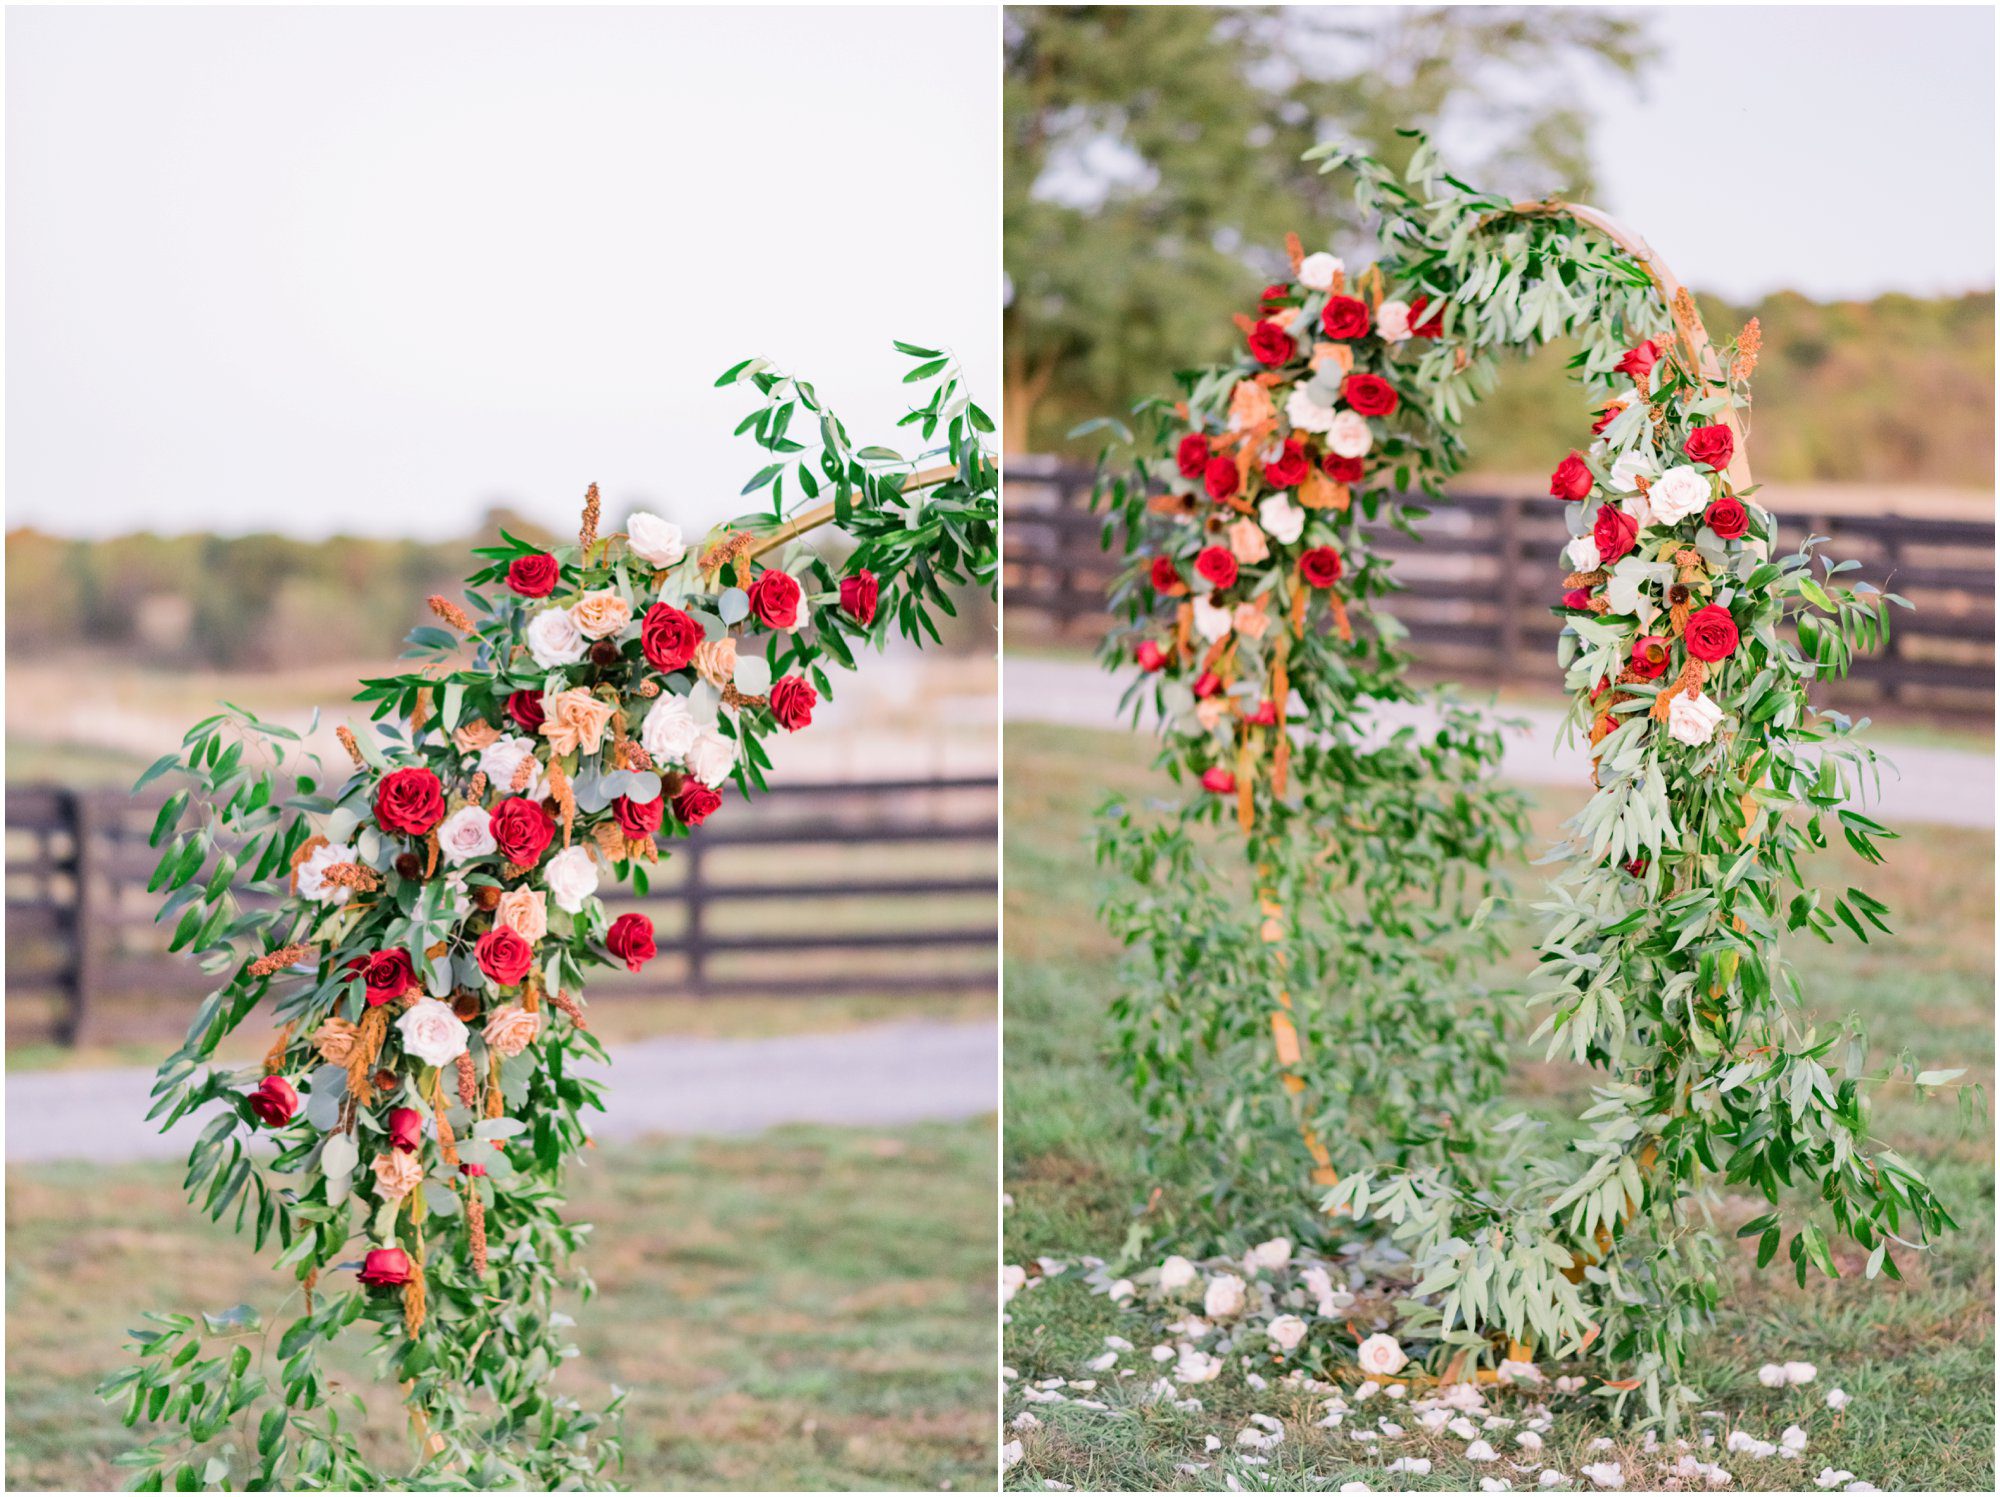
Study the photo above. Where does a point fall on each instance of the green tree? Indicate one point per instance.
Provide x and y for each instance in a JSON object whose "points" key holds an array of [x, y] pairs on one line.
{"points": [[1153, 155]]}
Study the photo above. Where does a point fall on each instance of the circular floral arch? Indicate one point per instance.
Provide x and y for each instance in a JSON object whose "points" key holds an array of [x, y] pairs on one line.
{"points": [[1344, 1050]]}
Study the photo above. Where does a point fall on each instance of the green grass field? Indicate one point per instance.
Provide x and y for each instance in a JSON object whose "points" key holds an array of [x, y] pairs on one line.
{"points": [[812, 1309], [1917, 1357]]}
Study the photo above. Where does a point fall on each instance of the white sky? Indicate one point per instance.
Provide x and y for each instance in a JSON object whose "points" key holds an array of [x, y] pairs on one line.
{"points": [[1841, 151], [370, 270]]}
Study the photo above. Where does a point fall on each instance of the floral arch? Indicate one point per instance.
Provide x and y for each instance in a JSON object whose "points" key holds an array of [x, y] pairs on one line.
{"points": [[416, 927], [1341, 1052]]}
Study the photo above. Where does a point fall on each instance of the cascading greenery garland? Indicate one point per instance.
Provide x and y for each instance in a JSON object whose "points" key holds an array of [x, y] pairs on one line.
{"points": [[410, 925], [1690, 647]]}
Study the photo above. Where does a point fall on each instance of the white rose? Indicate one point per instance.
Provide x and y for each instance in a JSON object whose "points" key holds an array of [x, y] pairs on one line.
{"points": [[312, 873], [1381, 1355], [1678, 493], [554, 639], [1692, 720], [1629, 467], [1348, 435], [1210, 622], [711, 757], [467, 833], [1286, 1332], [501, 761], [432, 1032], [1283, 520], [1176, 1273], [1582, 554], [572, 878], [669, 730], [1274, 1254], [652, 539], [1224, 1297], [1316, 271], [1392, 321], [1305, 413]]}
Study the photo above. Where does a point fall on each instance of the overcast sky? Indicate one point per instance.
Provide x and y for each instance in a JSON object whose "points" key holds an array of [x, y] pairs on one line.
{"points": [[374, 269]]}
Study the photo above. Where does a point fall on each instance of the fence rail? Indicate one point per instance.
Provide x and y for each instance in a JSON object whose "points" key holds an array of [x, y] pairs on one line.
{"points": [[896, 879], [1478, 586]]}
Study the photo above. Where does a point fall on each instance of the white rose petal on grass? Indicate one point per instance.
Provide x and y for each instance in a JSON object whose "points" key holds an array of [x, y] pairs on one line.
{"points": [[553, 638], [432, 1032], [1528, 1440], [654, 540], [1120, 1291], [1013, 1279], [1286, 1332], [1692, 720], [1495, 1484], [1347, 435], [1798, 1374], [1792, 1443], [467, 833], [1317, 270], [1010, 1453], [1678, 493], [1771, 1375], [1480, 1451], [1605, 1474], [1829, 1477], [1355, 1486], [1285, 522], [571, 877], [1277, 1252], [1104, 1363], [1837, 1399], [1413, 1465], [1381, 1355], [1177, 1273], [1224, 1297], [312, 873], [1552, 1478]]}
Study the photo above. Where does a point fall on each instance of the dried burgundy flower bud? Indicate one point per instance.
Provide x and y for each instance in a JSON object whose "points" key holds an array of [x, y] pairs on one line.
{"points": [[409, 865], [466, 1005], [604, 652], [487, 897]]}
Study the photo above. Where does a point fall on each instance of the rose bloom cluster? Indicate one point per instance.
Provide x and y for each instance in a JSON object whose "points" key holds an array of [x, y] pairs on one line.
{"points": [[1256, 490], [518, 806], [1654, 518]]}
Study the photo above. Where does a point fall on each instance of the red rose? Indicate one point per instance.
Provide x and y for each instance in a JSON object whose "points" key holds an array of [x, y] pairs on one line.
{"points": [[385, 975], [1713, 445], [466, 1167], [1711, 633], [858, 596], [409, 801], [1577, 598], [1290, 468], [1150, 656], [385, 1268], [523, 829], [1419, 327], [669, 637], [1639, 361], [1649, 656], [1166, 576], [1271, 345], [1345, 317], [504, 955], [525, 707], [696, 803], [792, 702], [1221, 478], [1572, 479], [1192, 454], [534, 576], [1219, 780], [630, 939], [406, 1129], [1609, 414], [1635, 866], [1368, 394], [1727, 517], [1320, 566], [276, 1101], [1266, 715], [774, 598], [1275, 296], [1207, 684], [1341, 469], [1615, 533], [1217, 565], [638, 819]]}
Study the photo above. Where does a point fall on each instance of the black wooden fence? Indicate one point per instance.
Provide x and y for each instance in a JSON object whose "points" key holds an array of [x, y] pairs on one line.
{"points": [[1480, 581], [866, 887]]}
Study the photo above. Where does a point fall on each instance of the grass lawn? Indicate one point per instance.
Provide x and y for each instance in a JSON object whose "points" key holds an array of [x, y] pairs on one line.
{"points": [[811, 1309], [1917, 1358]]}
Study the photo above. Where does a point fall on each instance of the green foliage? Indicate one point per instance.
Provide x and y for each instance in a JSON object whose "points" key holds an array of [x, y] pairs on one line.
{"points": [[250, 849]]}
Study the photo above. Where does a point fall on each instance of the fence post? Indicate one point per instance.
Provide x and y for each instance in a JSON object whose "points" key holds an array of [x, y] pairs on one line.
{"points": [[1508, 637], [87, 915], [694, 894], [1892, 649]]}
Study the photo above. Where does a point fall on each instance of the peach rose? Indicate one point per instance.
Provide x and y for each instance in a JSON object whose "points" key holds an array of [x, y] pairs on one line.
{"points": [[335, 1040], [715, 660], [577, 720], [1246, 541], [601, 614], [475, 735], [1251, 621], [511, 1030], [525, 912], [1210, 711], [1249, 406], [396, 1174]]}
